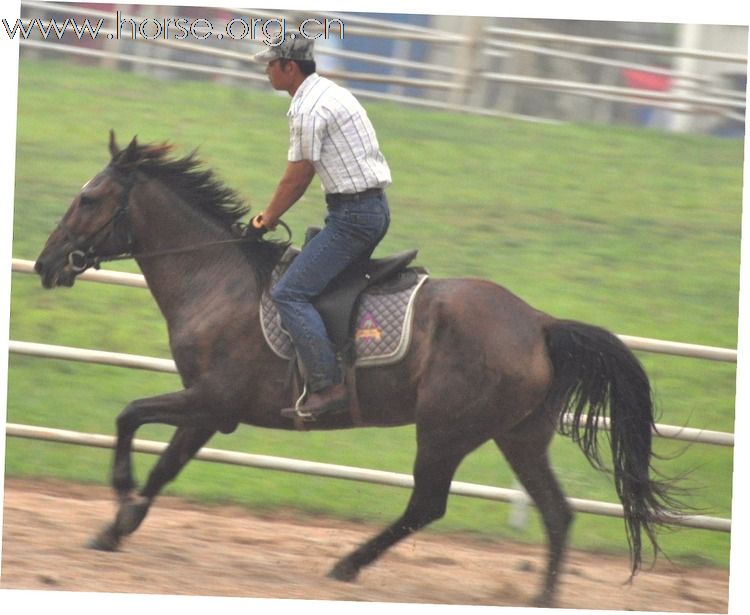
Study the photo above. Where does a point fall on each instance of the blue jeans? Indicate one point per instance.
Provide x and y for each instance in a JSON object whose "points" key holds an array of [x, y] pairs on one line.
{"points": [[353, 227]]}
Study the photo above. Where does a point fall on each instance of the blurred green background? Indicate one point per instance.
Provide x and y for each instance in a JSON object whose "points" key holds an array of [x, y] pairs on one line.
{"points": [[634, 230]]}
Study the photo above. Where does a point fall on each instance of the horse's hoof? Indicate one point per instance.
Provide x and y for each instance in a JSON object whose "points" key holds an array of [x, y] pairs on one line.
{"points": [[344, 571], [104, 541]]}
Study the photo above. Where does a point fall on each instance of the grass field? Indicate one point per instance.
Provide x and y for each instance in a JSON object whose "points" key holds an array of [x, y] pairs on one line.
{"points": [[633, 230]]}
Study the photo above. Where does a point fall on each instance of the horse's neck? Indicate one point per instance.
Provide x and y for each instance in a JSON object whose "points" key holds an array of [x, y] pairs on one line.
{"points": [[162, 223]]}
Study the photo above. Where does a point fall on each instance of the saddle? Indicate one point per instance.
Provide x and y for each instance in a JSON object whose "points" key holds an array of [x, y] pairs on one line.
{"points": [[367, 311], [337, 304]]}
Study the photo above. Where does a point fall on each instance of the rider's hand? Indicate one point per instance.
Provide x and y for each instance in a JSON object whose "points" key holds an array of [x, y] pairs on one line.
{"points": [[260, 221]]}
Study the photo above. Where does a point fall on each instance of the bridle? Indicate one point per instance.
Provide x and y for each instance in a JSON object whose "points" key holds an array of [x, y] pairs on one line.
{"points": [[84, 253]]}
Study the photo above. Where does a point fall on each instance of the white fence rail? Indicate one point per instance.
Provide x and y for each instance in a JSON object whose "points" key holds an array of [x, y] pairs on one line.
{"points": [[342, 472], [101, 357], [636, 343]]}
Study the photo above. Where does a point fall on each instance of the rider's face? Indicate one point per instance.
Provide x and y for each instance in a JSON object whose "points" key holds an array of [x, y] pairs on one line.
{"points": [[279, 74]]}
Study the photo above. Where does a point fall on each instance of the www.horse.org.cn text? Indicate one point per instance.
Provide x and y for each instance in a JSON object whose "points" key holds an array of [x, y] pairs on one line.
{"points": [[174, 28]]}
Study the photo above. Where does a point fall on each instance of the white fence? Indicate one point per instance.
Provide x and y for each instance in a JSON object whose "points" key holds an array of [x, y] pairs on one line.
{"points": [[337, 471], [470, 64], [116, 359], [344, 472]]}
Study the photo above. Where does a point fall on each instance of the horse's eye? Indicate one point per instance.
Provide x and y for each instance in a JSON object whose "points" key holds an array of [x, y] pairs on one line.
{"points": [[87, 200]]}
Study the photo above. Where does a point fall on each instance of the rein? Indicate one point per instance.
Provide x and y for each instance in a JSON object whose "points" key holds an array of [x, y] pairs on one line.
{"points": [[81, 259], [241, 228]]}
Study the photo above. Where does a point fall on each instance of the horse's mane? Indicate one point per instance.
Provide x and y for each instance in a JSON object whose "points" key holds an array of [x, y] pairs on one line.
{"points": [[197, 186], [201, 189]]}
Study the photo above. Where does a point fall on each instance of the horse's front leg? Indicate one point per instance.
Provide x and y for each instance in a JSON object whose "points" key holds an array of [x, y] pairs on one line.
{"points": [[195, 427]]}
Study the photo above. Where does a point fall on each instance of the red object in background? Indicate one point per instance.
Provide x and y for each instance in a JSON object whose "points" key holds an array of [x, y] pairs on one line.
{"points": [[643, 80]]}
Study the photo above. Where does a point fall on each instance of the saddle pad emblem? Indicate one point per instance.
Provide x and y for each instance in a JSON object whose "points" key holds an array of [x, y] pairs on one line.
{"points": [[383, 332], [368, 329]]}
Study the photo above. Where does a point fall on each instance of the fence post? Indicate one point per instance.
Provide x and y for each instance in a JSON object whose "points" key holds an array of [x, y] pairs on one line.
{"points": [[468, 58], [688, 37], [518, 518]]}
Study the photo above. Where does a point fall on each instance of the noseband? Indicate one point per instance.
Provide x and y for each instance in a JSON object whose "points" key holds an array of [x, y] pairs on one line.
{"points": [[84, 253]]}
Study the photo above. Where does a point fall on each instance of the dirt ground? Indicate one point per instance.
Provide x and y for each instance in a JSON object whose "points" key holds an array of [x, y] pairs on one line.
{"points": [[188, 549]]}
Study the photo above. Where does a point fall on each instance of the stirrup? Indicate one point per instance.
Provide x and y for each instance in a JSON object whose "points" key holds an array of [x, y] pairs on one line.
{"points": [[305, 416], [298, 413]]}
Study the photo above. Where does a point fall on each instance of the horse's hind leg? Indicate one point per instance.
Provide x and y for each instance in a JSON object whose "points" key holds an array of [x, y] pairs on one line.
{"points": [[185, 443], [530, 462], [433, 471]]}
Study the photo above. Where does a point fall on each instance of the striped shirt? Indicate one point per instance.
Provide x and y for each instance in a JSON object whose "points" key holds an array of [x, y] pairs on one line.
{"points": [[329, 127]]}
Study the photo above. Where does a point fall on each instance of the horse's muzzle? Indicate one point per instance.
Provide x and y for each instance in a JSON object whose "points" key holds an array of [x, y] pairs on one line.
{"points": [[55, 272]]}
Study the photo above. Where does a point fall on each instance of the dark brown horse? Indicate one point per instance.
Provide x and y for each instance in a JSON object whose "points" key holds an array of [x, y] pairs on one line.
{"points": [[482, 364]]}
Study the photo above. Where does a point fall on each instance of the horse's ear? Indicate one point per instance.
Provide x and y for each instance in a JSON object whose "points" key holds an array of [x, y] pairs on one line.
{"points": [[113, 149], [131, 152], [125, 158]]}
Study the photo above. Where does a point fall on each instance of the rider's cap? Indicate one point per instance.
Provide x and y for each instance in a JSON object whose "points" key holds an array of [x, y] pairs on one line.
{"points": [[294, 46]]}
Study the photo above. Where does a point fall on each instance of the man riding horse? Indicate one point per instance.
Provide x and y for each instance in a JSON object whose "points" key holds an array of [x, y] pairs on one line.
{"points": [[331, 135]]}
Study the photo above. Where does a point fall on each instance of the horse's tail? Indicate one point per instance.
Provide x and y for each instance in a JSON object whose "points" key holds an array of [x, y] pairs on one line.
{"points": [[594, 370]]}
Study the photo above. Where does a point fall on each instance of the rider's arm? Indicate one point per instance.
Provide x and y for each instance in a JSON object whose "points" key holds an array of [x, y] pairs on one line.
{"points": [[292, 186]]}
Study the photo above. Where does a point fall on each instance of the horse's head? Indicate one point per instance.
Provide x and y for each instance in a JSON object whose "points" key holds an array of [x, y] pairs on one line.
{"points": [[95, 224]]}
